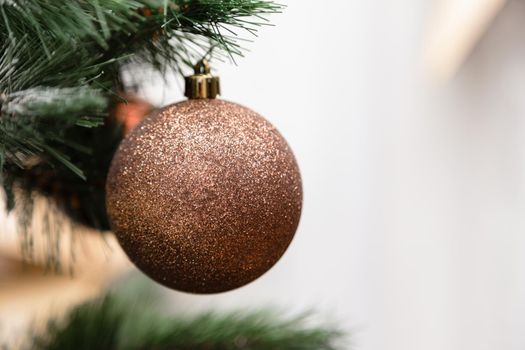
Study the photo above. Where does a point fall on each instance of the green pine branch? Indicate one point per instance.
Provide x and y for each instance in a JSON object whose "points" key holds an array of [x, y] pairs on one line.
{"points": [[81, 45], [113, 323], [27, 114]]}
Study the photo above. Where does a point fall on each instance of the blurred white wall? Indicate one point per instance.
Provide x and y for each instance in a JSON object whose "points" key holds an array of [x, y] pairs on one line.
{"points": [[413, 230]]}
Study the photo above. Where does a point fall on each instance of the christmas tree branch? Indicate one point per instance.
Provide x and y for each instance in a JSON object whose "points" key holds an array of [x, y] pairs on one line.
{"points": [[114, 323], [27, 113], [83, 44]]}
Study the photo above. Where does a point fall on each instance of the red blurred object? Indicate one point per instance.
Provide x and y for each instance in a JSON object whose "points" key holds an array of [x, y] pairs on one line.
{"points": [[131, 111]]}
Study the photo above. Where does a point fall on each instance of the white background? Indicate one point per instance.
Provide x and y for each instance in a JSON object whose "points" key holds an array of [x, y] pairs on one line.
{"points": [[413, 230]]}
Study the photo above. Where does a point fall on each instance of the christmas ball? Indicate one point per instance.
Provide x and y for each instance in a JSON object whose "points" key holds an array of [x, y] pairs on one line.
{"points": [[204, 195]]}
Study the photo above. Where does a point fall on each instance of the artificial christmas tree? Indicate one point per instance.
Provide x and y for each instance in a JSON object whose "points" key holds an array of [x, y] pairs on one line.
{"points": [[62, 94]]}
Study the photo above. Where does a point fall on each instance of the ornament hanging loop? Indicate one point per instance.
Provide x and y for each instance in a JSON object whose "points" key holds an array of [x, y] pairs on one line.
{"points": [[202, 67], [202, 84]]}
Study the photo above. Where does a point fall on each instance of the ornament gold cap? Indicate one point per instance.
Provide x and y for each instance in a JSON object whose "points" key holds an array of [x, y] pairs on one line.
{"points": [[202, 84]]}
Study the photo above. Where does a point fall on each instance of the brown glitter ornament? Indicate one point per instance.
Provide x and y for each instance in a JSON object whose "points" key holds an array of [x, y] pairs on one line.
{"points": [[204, 195]]}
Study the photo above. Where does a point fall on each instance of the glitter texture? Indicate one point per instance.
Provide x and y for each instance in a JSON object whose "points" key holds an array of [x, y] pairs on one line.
{"points": [[204, 196]]}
